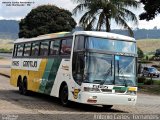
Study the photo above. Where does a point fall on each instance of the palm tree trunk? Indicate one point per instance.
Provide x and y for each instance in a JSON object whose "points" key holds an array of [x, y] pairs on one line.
{"points": [[108, 29]]}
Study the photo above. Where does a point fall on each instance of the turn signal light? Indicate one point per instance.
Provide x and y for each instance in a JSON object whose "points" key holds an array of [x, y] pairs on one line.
{"points": [[91, 101]]}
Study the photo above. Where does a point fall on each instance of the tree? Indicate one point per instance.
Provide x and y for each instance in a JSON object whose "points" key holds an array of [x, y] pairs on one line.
{"points": [[46, 19], [157, 54], [99, 13], [140, 53], [151, 7]]}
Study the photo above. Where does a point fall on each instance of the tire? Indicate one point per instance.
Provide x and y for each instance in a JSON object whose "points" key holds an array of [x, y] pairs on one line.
{"points": [[107, 107], [23, 87], [157, 76], [20, 85], [64, 96], [25, 91]]}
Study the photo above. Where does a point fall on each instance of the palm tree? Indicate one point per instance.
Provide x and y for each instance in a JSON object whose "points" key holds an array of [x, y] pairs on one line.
{"points": [[99, 13]]}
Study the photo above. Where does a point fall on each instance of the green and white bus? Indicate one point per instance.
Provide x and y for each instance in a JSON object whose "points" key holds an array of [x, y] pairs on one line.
{"points": [[89, 67]]}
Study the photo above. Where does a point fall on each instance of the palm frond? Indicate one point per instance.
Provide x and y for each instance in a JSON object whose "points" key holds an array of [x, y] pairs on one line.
{"points": [[120, 21], [130, 15], [100, 21]]}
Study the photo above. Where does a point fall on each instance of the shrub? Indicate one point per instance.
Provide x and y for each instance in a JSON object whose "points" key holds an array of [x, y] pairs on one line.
{"points": [[148, 82], [141, 79]]}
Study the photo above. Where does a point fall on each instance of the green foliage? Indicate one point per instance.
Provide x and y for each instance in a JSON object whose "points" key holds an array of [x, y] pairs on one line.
{"points": [[156, 82], [140, 53], [4, 50], [152, 89], [46, 19], [157, 54], [152, 9], [148, 82], [99, 13]]}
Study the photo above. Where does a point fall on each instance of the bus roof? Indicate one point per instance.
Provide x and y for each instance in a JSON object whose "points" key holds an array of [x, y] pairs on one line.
{"points": [[105, 35], [46, 36], [67, 34]]}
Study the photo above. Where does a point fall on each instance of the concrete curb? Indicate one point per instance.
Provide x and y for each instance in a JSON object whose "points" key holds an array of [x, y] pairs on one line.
{"points": [[4, 75]]}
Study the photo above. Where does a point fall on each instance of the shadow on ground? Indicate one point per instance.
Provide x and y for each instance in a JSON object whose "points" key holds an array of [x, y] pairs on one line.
{"points": [[45, 102]]}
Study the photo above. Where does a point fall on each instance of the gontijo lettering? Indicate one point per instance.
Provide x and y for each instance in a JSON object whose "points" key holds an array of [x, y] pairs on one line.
{"points": [[30, 64]]}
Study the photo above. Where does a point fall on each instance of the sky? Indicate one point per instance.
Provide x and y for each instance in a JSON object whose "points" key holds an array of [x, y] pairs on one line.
{"points": [[19, 12]]}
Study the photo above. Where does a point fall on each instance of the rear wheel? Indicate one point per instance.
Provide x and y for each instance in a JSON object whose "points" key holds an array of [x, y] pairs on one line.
{"points": [[20, 85], [107, 107], [25, 91], [23, 87], [64, 95]]}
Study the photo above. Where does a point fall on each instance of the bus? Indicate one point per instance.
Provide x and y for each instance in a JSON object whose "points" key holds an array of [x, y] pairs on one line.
{"points": [[89, 67]]}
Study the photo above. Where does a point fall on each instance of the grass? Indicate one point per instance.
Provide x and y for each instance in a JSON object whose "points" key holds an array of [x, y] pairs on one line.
{"points": [[148, 45], [6, 45], [151, 89]]}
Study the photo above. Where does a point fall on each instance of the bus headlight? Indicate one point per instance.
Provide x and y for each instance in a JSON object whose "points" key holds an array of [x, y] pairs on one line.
{"points": [[91, 89]]}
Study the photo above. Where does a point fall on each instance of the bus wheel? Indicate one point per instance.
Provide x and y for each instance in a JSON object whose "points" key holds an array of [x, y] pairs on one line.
{"points": [[64, 95], [20, 85], [25, 91], [107, 107]]}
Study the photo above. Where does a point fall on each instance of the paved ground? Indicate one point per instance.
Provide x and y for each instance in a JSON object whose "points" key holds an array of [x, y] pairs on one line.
{"points": [[38, 106]]}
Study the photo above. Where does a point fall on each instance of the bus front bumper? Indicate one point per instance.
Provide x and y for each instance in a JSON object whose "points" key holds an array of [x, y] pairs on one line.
{"points": [[107, 99]]}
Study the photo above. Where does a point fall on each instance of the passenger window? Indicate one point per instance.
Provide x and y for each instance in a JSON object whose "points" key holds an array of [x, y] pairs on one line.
{"points": [[15, 51], [44, 48], [20, 50], [54, 47], [79, 43], [35, 49], [27, 49], [66, 46]]}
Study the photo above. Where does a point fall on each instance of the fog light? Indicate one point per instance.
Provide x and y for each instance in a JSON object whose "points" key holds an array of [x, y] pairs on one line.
{"points": [[94, 97]]}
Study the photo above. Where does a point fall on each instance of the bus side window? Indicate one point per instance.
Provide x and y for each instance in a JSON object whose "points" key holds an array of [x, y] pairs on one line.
{"points": [[15, 51], [79, 43], [78, 67], [35, 49], [27, 49], [54, 47], [20, 50], [66, 46], [44, 48]]}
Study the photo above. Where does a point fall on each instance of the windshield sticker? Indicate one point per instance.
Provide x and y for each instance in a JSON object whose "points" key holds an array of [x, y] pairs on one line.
{"points": [[117, 58]]}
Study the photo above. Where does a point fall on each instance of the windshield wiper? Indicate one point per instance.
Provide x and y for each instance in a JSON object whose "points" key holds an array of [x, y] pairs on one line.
{"points": [[98, 82]]}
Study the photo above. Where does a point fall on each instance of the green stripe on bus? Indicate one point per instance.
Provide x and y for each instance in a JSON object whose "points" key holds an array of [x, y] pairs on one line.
{"points": [[120, 88], [49, 75]]}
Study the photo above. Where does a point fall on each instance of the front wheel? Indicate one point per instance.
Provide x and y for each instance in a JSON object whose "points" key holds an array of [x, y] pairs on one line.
{"points": [[64, 96]]}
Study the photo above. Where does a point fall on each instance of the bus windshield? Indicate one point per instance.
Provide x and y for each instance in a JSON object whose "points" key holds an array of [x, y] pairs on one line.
{"points": [[109, 69], [103, 67], [110, 45]]}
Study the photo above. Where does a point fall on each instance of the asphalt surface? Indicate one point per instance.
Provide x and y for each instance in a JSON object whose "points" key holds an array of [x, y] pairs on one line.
{"points": [[41, 107]]}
